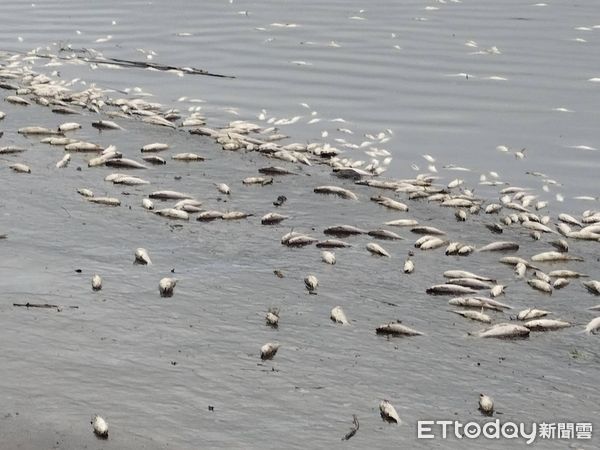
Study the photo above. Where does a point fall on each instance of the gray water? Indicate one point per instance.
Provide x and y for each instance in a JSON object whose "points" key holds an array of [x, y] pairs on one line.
{"points": [[114, 354]]}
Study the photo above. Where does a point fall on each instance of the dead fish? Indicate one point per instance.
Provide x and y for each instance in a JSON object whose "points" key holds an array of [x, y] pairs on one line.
{"points": [[514, 260], [433, 243], [64, 110], [170, 195], [20, 168], [188, 205], [295, 239], [16, 100], [332, 243], [478, 302], [147, 203], [223, 188], [546, 324], [388, 412], [569, 219], [158, 120], [377, 249], [460, 215], [154, 147], [470, 282], [81, 146], [537, 228], [64, 161], [449, 289], [38, 131], [500, 246], [427, 230], [272, 317], [187, 157], [457, 203], [561, 245], [422, 240], [275, 170], [85, 192], [272, 218], [504, 331], [385, 234], [563, 229], [129, 180], [268, 350], [452, 248], [235, 215], [109, 201], [173, 213], [492, 208], [542, 276], [466, 250], [338, 316], [520, 270], [96, 282], [207, 216], [263, 181], [390, 203], [142, 257], [311, 282], [560, 283], [486, 404], [494, 228], [68, 126], [328, 257], [532, 313], [540, 285], [409, 266], [402, 223], [555, 256], [106, 125], [103, 158], [190, 209], [566, 274], [593, 326], [335, 190], [584, 235], [397, 329], [125, 163], [100, 427], [474, 315], [465, 274], [166, 286], [300, 241], [497, 290], [153, 159], [592, 286], [343, 230]]}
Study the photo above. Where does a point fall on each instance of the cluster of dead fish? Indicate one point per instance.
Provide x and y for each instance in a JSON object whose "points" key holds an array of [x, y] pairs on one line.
{"points": [[517, 208], [465, 285], [240, 135]]}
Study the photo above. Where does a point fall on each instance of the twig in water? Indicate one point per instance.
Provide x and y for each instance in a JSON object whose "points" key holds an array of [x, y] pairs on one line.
{"points": [[354, 429], [42, 305]]}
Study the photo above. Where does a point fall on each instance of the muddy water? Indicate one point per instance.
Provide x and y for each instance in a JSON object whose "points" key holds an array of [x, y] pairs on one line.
{"points": [[153, 366]]}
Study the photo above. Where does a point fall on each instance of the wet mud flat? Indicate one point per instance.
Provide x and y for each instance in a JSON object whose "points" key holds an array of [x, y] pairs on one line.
{"points": [[153, 366]]}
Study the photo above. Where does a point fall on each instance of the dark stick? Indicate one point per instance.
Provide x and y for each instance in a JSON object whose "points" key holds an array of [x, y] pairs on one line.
{"points": [[135, 64], [40, 305], [354, 429]]}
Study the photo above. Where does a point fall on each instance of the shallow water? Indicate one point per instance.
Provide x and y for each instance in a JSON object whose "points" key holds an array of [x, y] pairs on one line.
{"points": [[114, 355]]}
